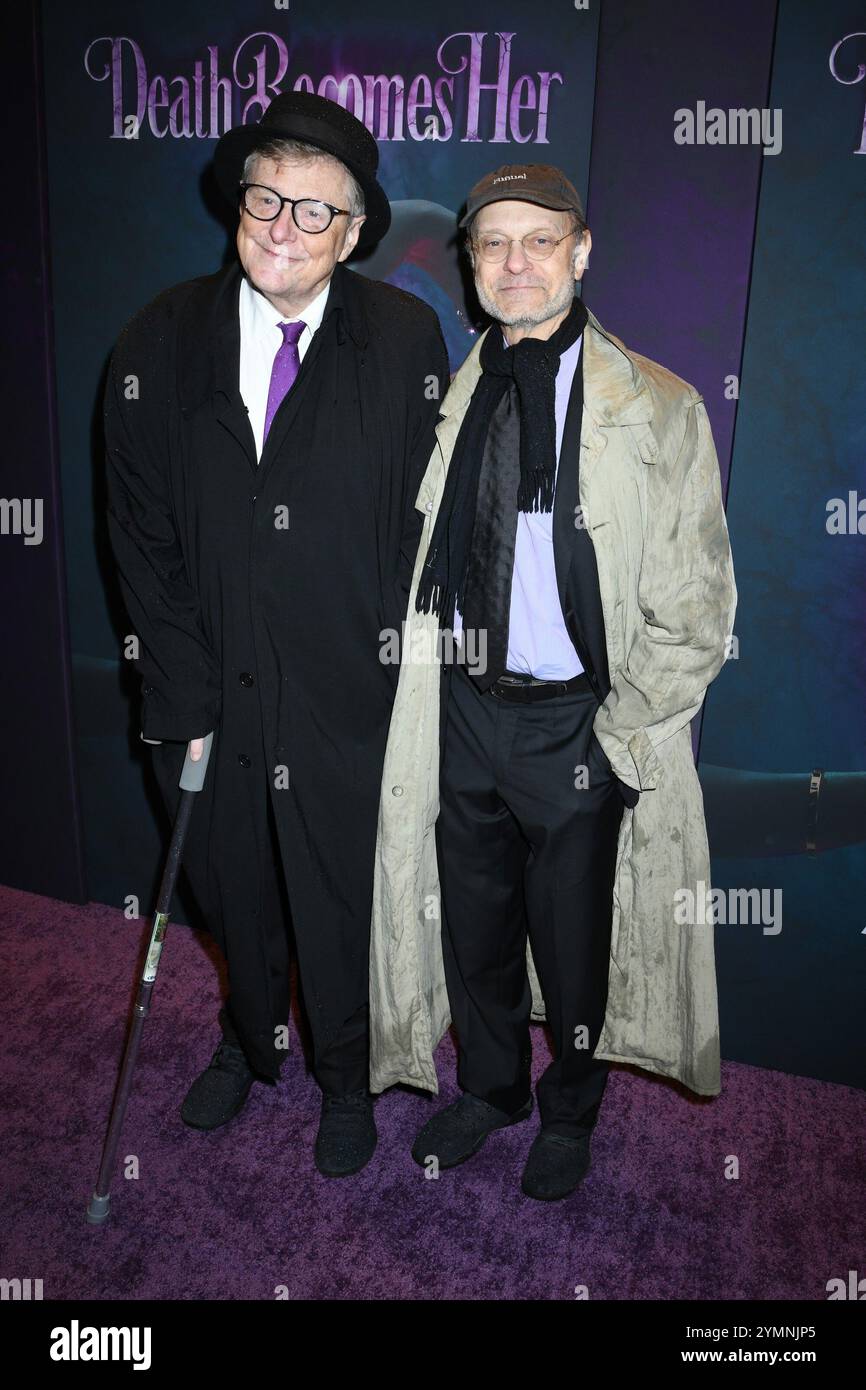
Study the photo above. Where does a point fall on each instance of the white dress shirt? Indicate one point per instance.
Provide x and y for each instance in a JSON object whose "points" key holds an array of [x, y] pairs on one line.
{"points": [[261, 340]]}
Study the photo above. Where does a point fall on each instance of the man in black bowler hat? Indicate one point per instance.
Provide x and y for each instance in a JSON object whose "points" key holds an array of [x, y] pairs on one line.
{"points": [[261, 480]]}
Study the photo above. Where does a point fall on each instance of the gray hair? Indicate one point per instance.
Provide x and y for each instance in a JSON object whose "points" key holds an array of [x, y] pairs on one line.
{"points": [[298, 152], [579, 225]]}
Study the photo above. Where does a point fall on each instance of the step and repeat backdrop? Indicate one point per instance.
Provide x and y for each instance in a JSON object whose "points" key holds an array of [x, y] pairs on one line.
{"points": [[721, 155]]}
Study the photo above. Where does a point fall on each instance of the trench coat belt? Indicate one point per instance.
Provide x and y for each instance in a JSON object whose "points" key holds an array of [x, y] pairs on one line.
{"points": [[521, 689]]}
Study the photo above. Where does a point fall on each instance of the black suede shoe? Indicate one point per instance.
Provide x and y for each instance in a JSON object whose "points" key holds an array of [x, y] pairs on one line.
{"points": [[221, 1091], [555, 1166], [347, 1136], [458, 1131]]}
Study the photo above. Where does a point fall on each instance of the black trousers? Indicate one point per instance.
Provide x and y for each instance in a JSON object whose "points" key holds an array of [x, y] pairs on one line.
{"points": [[342, 1064], [527, 843]]}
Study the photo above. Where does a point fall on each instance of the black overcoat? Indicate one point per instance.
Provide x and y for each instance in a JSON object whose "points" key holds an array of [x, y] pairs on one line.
{"points": [[260, 593]]}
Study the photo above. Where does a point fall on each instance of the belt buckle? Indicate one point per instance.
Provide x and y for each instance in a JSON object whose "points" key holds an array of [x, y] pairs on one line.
{"points": [[505, 684], [501, 687]]}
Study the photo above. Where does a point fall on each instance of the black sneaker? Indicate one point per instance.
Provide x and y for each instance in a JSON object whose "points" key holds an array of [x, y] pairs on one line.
{"points": [[458, 1131], [347, 1136], [220, 1092], [555, 1166]]}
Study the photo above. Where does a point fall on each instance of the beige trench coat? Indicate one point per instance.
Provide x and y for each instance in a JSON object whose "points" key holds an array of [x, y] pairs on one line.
{"points": [[650, 495]]}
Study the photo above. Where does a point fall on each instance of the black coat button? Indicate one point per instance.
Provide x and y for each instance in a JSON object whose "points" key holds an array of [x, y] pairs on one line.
{"points": [[246, 678], [243, 760]]}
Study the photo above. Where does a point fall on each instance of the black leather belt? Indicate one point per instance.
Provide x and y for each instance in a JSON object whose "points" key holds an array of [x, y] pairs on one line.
{"points": [[521, 689]]}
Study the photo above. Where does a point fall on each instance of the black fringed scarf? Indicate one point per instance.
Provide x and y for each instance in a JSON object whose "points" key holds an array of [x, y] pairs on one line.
{"points": [[510, 424]]}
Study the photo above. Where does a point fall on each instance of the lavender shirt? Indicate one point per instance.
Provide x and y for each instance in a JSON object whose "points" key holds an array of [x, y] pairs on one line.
{"points": [[538, 640]]}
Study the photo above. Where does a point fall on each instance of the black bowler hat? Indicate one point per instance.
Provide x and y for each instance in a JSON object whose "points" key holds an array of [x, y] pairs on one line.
{"points": [[315, 121]]}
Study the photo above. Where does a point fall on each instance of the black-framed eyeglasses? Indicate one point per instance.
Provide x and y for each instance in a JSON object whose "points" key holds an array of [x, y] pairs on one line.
{"points": [[309, 214]]}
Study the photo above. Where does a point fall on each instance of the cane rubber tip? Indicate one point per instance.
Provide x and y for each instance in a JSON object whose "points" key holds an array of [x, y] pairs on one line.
{"points": [[98, 1209]]}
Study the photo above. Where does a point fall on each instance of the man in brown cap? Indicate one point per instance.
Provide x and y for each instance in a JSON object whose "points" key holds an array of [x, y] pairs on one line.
{"points": [[575, 541], [261, 480]]}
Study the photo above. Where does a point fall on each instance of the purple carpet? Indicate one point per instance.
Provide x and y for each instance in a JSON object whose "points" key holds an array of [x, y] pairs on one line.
{"points": [[238, 1213]]}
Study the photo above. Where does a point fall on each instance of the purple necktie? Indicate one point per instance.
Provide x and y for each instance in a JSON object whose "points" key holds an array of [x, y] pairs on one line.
{"points": [[286, 366]]}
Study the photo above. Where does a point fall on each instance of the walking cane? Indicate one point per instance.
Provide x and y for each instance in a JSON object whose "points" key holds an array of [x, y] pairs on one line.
{"points": [[191, 781]]}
